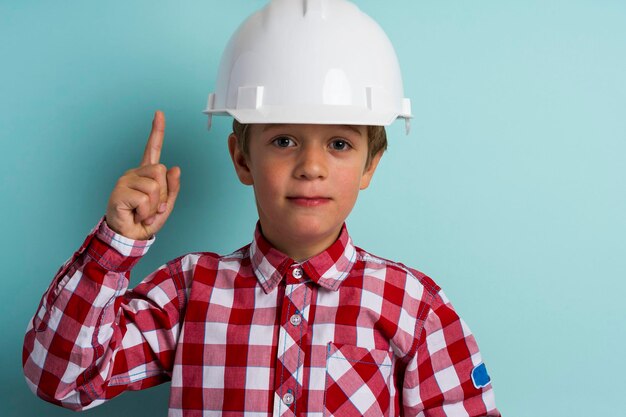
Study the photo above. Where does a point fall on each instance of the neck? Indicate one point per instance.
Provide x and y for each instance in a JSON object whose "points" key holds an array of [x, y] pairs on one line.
{"points": [[300, 249]]}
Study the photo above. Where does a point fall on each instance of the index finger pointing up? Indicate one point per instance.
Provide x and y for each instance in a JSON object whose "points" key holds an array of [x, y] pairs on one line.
{"points": [[152, 153]]}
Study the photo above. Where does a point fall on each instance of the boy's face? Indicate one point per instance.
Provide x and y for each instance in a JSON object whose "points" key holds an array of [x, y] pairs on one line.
{"points": [[306, 180]]}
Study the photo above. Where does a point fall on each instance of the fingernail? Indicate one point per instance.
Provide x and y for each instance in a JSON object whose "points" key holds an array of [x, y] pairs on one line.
{"points": [[162, 207], [149, 221]]}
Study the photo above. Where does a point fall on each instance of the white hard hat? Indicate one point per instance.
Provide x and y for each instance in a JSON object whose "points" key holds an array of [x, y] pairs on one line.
{"points": [[310, 61]]}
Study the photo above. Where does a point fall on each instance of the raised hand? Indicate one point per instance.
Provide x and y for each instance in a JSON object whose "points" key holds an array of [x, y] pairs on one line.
{"points": [[144, 197]]}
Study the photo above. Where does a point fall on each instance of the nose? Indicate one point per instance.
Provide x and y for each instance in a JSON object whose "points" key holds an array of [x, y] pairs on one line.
{"points": [[311, 163]]}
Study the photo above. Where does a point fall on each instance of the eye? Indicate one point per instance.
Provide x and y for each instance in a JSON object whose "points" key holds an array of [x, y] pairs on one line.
{"points": [[340, 145], [283, 142]]}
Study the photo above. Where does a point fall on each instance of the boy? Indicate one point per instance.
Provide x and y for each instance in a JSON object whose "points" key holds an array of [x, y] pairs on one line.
{"points": [[298, 322]]}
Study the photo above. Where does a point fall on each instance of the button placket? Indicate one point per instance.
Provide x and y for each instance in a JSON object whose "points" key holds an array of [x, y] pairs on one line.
{"points": [[291, 355]]}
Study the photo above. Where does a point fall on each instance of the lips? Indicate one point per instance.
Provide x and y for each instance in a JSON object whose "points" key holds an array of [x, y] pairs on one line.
{"points": [[309, 201]]}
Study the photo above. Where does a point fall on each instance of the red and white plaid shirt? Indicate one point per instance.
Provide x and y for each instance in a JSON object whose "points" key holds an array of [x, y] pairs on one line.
{"points": [[254, 333]]}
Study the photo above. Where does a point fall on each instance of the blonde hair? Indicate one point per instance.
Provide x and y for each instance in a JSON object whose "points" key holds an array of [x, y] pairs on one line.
{"points": [[376, 139]]}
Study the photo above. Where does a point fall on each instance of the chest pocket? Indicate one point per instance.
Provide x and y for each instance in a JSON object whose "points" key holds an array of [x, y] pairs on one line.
{"points": [[357, 381]]}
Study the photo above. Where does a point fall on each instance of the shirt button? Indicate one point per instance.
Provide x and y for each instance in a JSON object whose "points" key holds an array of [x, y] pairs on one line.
{"points": [[296, 319], [288, 398], [297, 273]]}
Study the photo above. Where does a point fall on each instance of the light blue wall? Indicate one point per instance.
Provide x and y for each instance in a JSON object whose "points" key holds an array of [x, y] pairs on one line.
{"points": [[509, 191]]}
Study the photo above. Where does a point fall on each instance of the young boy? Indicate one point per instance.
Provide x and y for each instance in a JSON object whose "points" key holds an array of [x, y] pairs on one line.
{"points": [[298, 322]]}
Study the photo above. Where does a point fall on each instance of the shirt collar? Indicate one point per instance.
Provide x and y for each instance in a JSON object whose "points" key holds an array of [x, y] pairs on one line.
{"points": [[327, 269]]}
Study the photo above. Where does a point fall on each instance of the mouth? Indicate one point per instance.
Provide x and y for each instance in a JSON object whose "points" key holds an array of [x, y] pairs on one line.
{"points": [[308, 201]]}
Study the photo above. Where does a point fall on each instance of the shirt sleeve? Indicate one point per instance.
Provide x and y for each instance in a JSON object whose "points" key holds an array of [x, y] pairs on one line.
{"points": [[446, 376], [92, 338]]}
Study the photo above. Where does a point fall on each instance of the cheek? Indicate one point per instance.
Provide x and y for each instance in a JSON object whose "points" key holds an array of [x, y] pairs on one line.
{"points": [[349, 182], [266, 180]]}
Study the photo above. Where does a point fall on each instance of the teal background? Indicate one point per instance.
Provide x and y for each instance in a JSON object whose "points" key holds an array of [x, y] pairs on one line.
{"points": [[509, 191]]}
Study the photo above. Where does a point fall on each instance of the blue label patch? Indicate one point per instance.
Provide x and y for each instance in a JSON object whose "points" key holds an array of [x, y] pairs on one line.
{"points": [[480, 377]]}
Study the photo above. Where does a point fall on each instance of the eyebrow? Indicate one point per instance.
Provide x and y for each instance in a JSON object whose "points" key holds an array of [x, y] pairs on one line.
{"points": [[279, 125]]}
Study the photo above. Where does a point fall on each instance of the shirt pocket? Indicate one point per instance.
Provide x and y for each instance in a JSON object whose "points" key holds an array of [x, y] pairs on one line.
{"points": [[357, 381]]}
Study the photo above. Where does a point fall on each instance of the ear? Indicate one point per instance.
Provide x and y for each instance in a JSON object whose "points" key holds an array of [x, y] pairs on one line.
{"points": [[369, 171], [240, 161]]}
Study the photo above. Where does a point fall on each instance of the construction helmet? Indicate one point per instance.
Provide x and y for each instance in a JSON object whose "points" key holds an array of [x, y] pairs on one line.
{"points": [[310, 61]]}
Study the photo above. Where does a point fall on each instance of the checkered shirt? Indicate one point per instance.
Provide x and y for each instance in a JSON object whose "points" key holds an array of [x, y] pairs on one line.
{"points": [[254, 333]]}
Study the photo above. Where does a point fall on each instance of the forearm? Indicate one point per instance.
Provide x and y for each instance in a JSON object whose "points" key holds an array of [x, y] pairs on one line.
{"points": [[71, 342]]}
